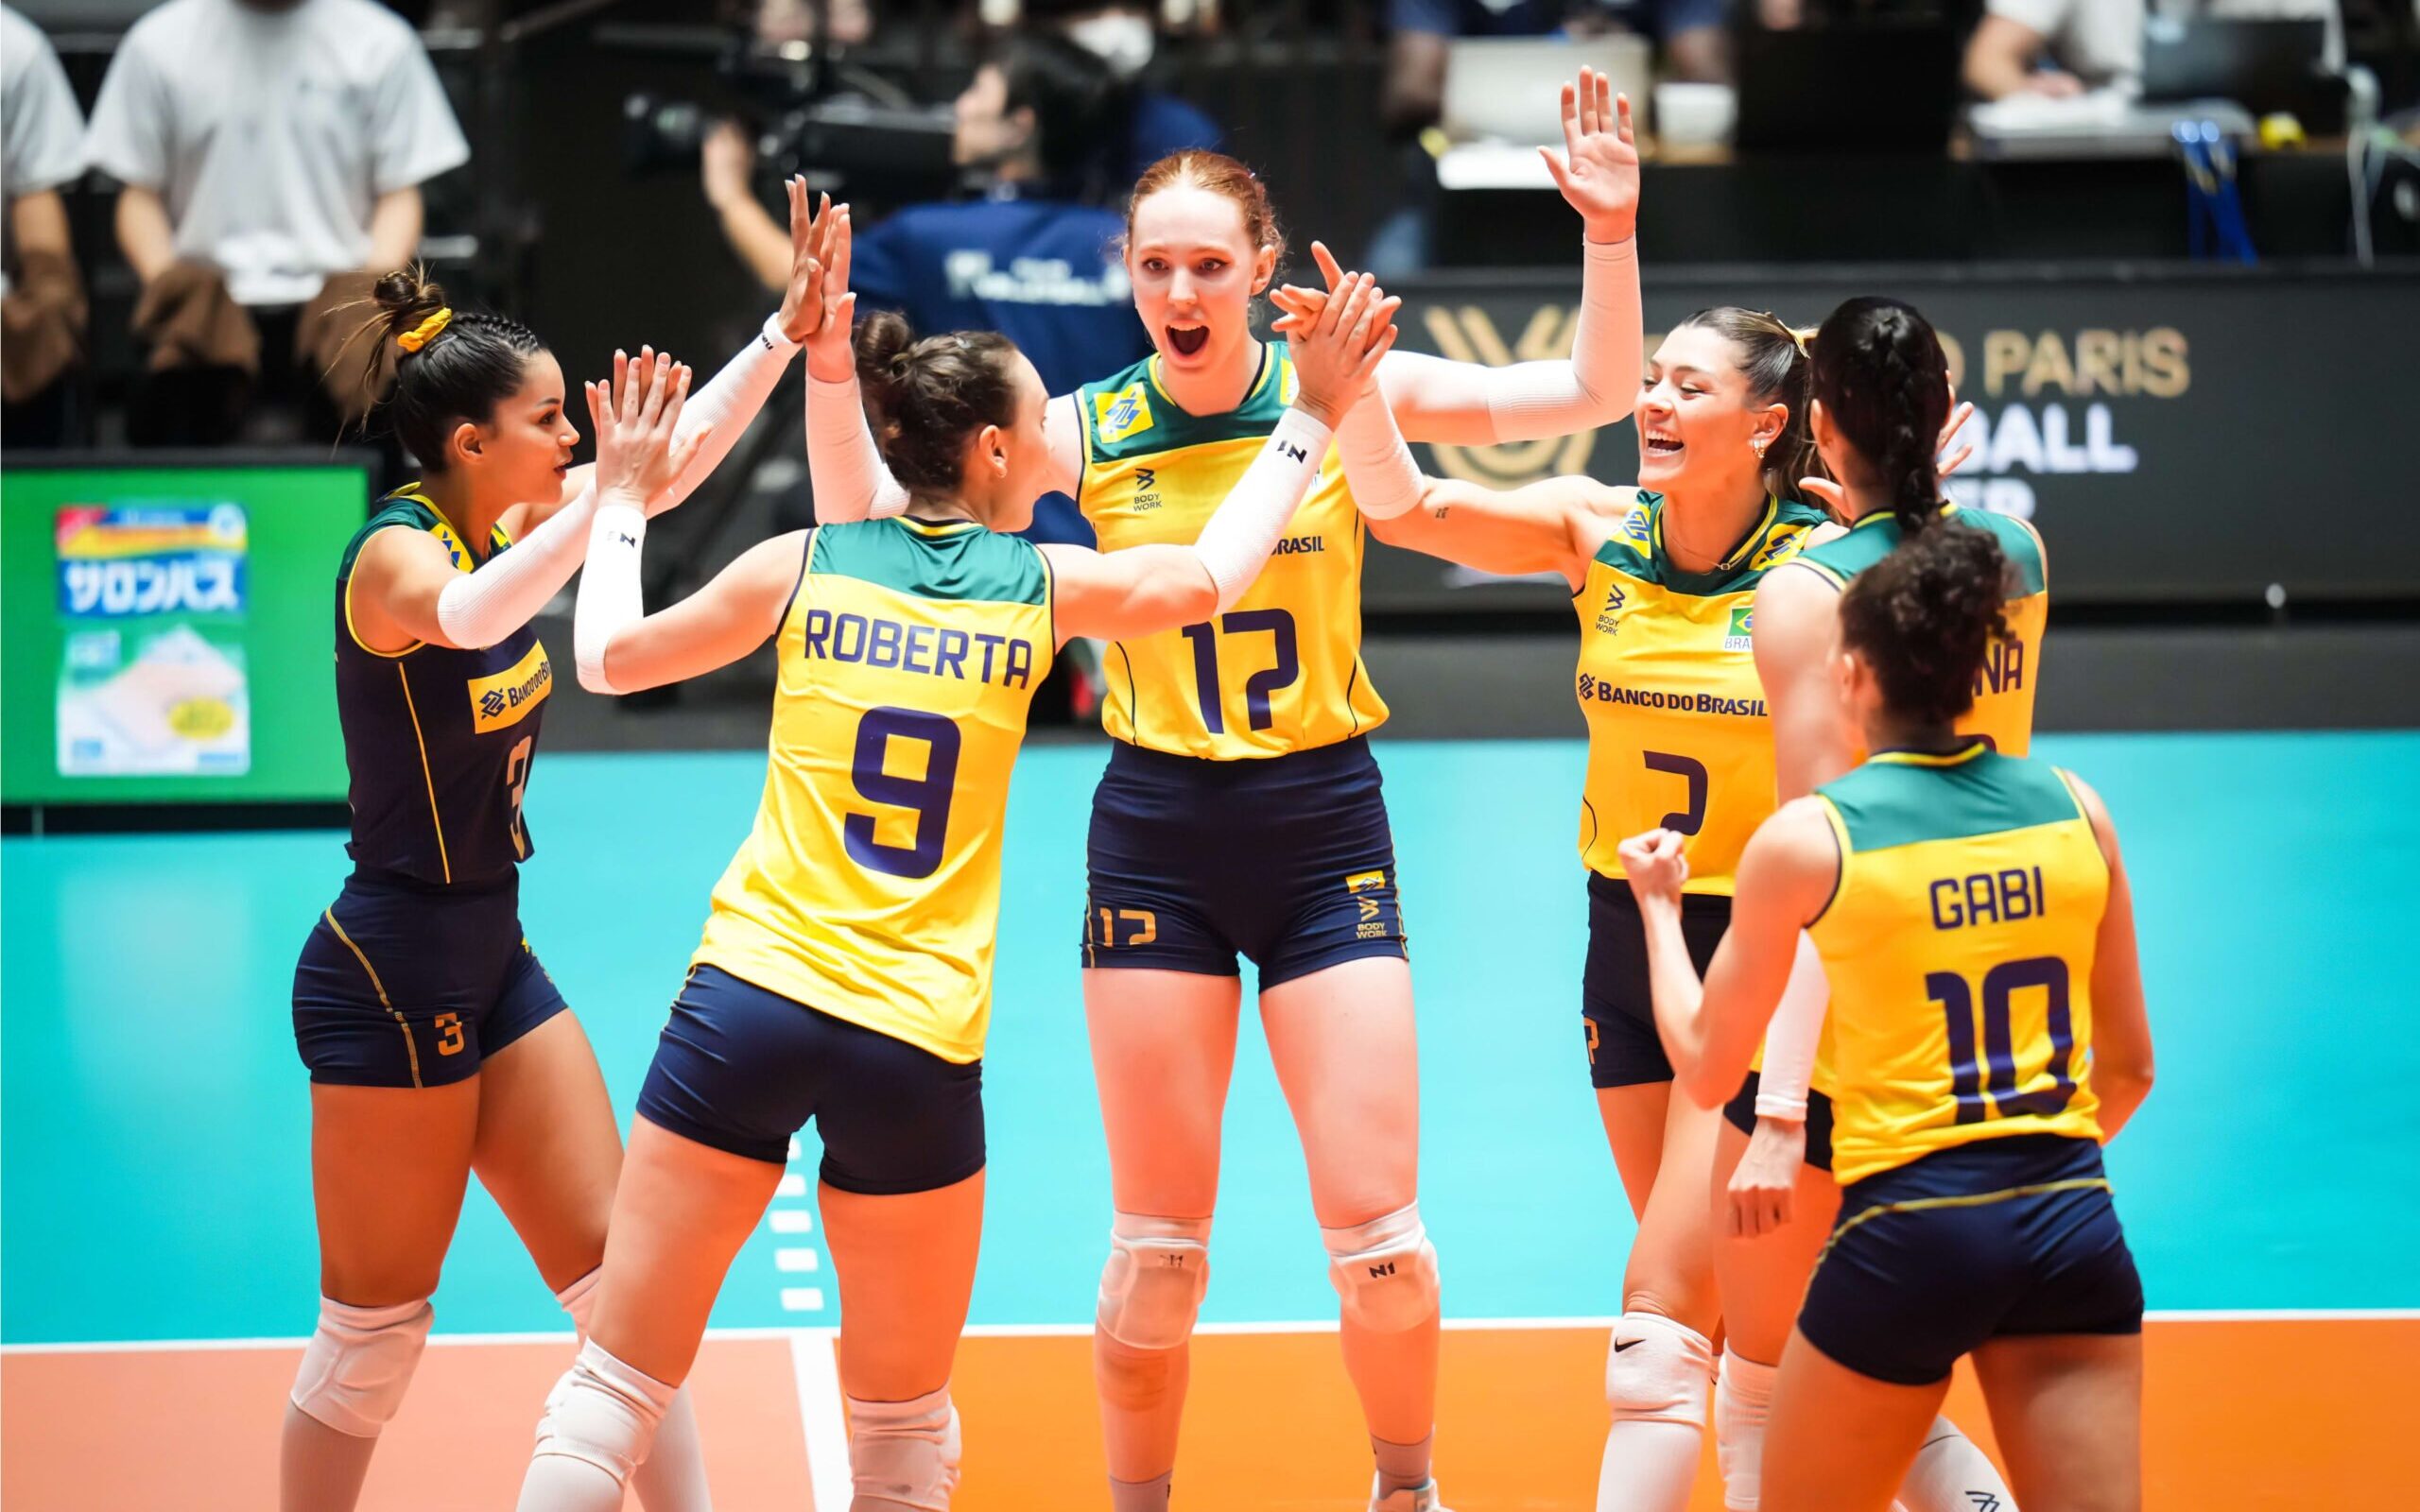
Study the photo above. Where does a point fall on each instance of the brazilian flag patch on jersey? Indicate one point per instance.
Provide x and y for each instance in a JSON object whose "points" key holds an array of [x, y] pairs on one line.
{"points": [[1741, 635], [1117, 415]]}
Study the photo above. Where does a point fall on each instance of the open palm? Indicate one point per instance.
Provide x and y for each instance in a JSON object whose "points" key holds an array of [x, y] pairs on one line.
{"points": [[1597, 170]]}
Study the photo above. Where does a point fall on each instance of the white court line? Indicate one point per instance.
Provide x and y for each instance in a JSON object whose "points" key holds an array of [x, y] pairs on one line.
{"points": [[1011, 1330], [791, 1185], [790, 1220], [802, 1298], [817, 1371], [797, 1260]]}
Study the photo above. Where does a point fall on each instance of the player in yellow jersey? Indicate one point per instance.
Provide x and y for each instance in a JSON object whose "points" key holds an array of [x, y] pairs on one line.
{"points": [[844, 975], [1663, 576], [437, 1044], [1241, 812], [1881, 393], [1988, 1032]]}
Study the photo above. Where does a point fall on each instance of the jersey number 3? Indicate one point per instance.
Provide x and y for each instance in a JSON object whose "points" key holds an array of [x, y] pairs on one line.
{"points": [[926, 797]]}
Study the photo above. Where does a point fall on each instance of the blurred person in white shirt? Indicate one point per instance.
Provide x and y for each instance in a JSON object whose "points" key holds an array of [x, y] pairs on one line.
{"points": [[272, 153], [2066, 48], [42, 295]]}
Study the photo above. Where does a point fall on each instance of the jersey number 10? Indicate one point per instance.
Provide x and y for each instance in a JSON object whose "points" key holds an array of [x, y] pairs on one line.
{"points": [[1956, 999], [926, 797]]}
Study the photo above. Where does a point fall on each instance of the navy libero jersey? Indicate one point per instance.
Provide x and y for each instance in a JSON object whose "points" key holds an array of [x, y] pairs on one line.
{"points": [[438, 742]]}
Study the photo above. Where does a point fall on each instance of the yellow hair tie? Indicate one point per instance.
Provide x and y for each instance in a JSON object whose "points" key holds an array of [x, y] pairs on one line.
{"points": [[425, 333]]}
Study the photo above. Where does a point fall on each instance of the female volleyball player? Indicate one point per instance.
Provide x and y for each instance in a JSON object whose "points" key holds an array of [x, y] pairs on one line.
{"points": [[1241, 813], [846, 971], [436, 1044], [1882, 392], [1662, 577], [1988, 1032]]}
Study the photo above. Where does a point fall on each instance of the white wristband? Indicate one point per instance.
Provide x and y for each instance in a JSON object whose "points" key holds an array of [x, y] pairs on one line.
{"points": [[610, 596], [1236, 542]]}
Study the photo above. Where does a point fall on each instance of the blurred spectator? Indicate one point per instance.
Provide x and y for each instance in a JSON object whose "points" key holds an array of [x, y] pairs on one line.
{"points": [[2062, 47], [272, 153], [41, 296], [1036, 257], [788, 21], [1692, 44], [1125, 36]]}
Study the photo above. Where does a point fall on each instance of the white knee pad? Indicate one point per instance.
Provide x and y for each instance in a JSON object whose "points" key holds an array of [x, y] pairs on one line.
{"points": [[358, 1362], [1385, 1271], [1743, 1406], [580, 1299], [1158, 1272], [603, 1412], [1658, 1371], [904, 1451]]}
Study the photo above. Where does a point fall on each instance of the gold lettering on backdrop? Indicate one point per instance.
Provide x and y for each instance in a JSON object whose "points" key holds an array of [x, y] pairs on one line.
{"points": [[2117, 363], [1467, 335]]}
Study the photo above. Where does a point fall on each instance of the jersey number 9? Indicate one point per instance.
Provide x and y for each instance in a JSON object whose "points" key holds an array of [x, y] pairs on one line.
{"points": [[926, 797]]}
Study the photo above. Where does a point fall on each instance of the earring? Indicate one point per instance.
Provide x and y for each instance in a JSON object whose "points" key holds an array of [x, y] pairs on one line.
{"points": [[1759, 444]]}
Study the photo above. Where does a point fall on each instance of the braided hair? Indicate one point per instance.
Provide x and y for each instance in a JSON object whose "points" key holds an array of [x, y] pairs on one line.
{"points": [[450, 367], [1883, 378]]}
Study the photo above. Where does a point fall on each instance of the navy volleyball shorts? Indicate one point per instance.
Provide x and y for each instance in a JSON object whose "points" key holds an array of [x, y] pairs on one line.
{"points": [[1616, 1007], [404, 984], [742, 1069], [1287, 860], [1742, 1110], [1998, 1238]]}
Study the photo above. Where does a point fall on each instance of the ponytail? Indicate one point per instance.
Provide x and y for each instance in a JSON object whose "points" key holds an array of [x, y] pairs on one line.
{"points": [[1881, 373]]}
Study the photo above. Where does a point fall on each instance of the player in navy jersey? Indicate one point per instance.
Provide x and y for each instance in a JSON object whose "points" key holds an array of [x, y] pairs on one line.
{"points": [[437, 1044]]}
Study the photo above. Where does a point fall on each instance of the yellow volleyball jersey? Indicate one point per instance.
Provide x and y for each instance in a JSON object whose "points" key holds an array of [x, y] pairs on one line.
{"points": [[2012, 668], [1279, 672], [1678, 733], [1959, 947], [870, 888]]}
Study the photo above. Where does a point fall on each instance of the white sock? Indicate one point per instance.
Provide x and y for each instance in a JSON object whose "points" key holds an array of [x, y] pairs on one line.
{"points": [[1402, 1467], [1140, 1496], [1950, 1474], [1658, 1377], [673, 1479], [1743, 1402]]}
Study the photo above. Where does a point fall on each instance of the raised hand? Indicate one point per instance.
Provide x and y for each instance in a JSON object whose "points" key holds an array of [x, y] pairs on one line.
{"points": [[829, 355], [1337, 350], [814, 286], [1598, 169], [637, 416]]}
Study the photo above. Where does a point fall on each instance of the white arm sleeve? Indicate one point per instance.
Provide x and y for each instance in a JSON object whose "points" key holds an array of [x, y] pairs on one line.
{"points": [[478, 609], [1236, 542], [729, 403], [1379, 467], [610, 599], [1791, 1038], [1529, 400], [843, 464]]}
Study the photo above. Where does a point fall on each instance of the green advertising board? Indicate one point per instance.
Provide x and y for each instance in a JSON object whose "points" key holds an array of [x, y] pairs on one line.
{"points": [[170, 632]]}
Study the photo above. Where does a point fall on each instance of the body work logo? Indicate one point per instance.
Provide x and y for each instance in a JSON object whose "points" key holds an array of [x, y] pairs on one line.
{"points": [[1609, 616], [1147, 484], [1370, 891]]}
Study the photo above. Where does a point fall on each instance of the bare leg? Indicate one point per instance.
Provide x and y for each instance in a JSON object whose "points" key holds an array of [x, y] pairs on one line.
{"points": [[2069, 1410], [1347, 1055], [1659, 1373], [389, 1168], [680, 1211], [1164, 1049], [1841, 1441], [548, 1152], [1763, 1280]]}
